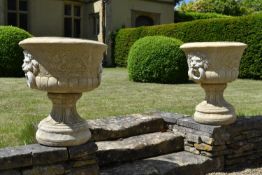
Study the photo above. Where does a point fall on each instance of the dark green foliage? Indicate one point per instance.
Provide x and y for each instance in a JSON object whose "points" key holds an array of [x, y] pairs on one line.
{"points": [[11, 55], [245, 29], [157, 59], [190, 16], [226, 7]]}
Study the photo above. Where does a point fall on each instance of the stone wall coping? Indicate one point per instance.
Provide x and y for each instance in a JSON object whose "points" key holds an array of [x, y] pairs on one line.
{"points": [[36, 154]]}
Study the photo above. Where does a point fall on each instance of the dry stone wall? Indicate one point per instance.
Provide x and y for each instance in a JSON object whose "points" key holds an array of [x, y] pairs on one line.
{"points": [[239, 144], [236, 145], [37, 159]]}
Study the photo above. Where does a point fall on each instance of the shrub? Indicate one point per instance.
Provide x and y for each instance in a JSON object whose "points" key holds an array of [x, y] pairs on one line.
{"points": [[245, 29], [190, 16], [157, 59], [11, 55]]}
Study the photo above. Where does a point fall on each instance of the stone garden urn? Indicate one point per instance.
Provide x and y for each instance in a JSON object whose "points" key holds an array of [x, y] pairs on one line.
{"points": [[213, 65], [65, 68]]}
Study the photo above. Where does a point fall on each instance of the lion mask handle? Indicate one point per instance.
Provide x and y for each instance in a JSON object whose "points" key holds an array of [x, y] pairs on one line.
{"points": [[197, 68], [31, 69]]}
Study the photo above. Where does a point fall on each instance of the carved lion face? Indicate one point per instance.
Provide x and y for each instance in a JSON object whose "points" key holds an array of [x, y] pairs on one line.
{"points": [[195, 62]]}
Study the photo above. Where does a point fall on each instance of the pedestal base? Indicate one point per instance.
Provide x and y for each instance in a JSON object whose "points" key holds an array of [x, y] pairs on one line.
{"points": [[214, 110], [59, 134], [63, 127], [214, 115]]}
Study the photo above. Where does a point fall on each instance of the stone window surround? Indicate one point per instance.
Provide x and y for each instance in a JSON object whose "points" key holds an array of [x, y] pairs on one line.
{"points": [[73, 17], [17, 12], [95, 19]]}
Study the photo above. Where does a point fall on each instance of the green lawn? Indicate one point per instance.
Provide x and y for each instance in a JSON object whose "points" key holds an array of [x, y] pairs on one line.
{"points": [[21, 106]]}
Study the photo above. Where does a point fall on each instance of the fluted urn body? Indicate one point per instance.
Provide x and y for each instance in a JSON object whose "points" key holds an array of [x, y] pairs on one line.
{"points": [[65, 68], [213, 65]]}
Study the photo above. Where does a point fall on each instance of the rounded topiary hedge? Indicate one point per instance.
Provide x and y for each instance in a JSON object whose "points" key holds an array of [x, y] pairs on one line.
{"points": [[157, 59], [11, 55]]}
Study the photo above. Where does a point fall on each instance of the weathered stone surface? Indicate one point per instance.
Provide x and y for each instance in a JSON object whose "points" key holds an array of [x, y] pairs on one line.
{"points": [[169, 118], [210, 141], [11, 172], [252, 133], [81, 163], [88, 170], [82, 151], [190, 123], [241, 146], [188, 143], [181, 163], [138, 147], [239, 160], [48, 170], [245, 124], [216, 135], [185, 130], [255, 139], [125, 126], [15, 157], [237, 138], [47, 155], [242, 154], [213, 154], [191, 149], [193, 138], [206, 147]]}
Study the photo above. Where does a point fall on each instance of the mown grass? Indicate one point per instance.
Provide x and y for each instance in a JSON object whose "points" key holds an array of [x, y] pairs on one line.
{"points": [[22, 108]]}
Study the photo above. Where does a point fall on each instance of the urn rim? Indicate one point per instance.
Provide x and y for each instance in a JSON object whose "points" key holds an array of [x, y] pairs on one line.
{"points": [[219, 44], [59, 40]]}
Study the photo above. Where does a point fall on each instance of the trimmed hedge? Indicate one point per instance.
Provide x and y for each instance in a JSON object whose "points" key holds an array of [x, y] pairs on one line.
{"points": [[245, 29], [157, 59], [11, 55], [190, 16]]}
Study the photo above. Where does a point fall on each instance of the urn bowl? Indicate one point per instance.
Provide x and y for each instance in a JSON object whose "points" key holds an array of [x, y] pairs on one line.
{"points": [[62, 65], [213, 62]]}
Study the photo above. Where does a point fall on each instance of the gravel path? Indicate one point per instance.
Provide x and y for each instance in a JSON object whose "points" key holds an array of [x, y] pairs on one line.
{"points": [[252, 171]]}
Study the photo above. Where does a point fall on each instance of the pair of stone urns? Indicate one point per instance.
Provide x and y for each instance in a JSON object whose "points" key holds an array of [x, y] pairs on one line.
{"points": [[66, 68]]}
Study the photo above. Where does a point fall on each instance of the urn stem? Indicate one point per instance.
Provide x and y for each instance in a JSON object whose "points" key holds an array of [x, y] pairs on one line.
{"points": [[214, 93], [63, 126], [64, 108]]}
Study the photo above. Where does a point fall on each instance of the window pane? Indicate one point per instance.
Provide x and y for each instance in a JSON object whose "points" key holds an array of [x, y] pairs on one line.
{"points": [[77, 28], [97, 24], [68, 27], [68, 10], [23, 21], [77, 11], [11, 4], [11, 19], [23, 5]]}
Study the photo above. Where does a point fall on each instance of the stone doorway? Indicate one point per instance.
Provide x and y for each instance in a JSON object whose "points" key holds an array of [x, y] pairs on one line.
{"points": [[141, 18], [144, 21]]}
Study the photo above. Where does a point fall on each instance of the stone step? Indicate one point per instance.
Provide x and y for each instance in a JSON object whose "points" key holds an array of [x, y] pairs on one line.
{"points": [[138, 147], [125, 126], [180, 163]]}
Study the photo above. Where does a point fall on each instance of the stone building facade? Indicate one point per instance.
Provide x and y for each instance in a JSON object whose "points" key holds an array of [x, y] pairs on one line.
{"points": [[90, 19]]}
